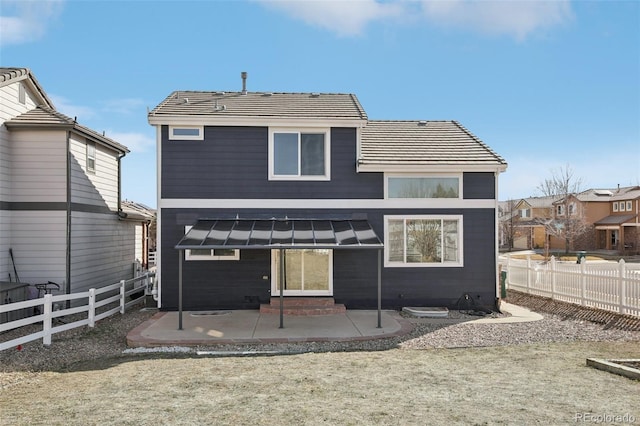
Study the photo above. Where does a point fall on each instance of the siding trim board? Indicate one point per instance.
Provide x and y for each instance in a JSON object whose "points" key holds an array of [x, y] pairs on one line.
{"points": [[53, 206], [432, 203]]}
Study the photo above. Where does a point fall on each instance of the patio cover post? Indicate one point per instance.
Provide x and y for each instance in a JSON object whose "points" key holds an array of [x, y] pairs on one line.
{"points": [[281, 288], [379, 288], [180, 256]]}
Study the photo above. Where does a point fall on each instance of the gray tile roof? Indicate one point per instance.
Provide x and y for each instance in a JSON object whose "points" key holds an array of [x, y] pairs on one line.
{"points": [[9, 75], [45, 117], [261, 104], [424, 143]]}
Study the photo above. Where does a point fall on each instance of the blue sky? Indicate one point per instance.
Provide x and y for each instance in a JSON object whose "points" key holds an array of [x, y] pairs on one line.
{"points": [[545, 84]]}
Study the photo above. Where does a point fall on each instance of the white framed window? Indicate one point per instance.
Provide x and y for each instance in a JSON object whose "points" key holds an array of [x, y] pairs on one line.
{"points": [[615, 206], [629, 206], [572, 209], [525, 213], [91, 157], [210, 254], [423, 186], [302, 154], [423, 241], [560, 210], [195, 133]]}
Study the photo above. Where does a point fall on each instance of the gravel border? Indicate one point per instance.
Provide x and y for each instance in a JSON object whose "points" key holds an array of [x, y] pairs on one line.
{"points": [[108, 338]]}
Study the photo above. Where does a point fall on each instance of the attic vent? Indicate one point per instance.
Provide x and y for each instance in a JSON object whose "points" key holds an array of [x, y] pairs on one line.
{"points": [[603, 192], [422, 123], [315, 95]]}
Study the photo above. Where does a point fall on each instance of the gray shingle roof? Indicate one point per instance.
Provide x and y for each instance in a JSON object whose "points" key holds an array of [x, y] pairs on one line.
{"points": [[424, 143], [615, 219], [9, 75], [45, 117], [261, 104]]}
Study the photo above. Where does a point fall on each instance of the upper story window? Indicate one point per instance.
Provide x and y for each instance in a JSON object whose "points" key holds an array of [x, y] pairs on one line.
{"points": [[560, 210], [572, 209], [615, 206], [525, 213], [186, 133], [629, 206], [423, 240], [423, 187], [91, 157], [22, 94], [299, 155]]}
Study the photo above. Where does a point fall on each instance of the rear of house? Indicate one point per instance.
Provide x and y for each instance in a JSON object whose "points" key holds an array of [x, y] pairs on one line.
{"points": [[244, 168]]}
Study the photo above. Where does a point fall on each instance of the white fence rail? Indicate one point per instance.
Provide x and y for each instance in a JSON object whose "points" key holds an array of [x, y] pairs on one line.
{"points": [[604, 285], [113, 300]]}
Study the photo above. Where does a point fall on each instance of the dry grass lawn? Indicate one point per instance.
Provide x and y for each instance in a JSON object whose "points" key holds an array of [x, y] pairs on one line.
{"points": [[528, 384]]}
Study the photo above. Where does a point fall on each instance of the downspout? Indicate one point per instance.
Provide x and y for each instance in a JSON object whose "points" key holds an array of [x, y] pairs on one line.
{"points": [[497, 240], [120, 157], [67, 286]]}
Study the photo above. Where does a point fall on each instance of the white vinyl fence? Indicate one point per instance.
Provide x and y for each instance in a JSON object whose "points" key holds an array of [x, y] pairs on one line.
{"points": [[609, 286], [97, 303]]}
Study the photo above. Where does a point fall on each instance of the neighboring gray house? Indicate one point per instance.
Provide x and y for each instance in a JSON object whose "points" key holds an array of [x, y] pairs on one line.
{"points": [[60, 209], [248, 176]]}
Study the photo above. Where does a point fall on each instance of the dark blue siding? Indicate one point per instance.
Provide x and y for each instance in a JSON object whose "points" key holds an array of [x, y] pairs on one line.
{"points": [[479, 186], [232, 162], [240, 284]]}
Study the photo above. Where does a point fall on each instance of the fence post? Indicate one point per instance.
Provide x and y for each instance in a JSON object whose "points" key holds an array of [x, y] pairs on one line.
{"points": [[622, 288], [528, 274], [92, 307], [553, 277], [583, 283], [46, 321], [122, 293]]}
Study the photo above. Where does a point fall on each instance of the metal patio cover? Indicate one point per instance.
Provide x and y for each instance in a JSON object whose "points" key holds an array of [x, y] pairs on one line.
{"points": [[280, 234], [283, 233]]}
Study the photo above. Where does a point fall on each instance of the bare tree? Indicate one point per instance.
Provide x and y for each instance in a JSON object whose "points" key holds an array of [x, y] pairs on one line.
{"points": [[568, 221], [507, 222]]}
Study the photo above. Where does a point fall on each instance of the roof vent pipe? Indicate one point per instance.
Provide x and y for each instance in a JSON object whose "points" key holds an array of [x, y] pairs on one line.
{"points": [[243, 74]]}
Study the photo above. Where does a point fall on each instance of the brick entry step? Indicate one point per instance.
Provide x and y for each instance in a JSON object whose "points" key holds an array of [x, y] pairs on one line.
{"points": [[304, 306]]}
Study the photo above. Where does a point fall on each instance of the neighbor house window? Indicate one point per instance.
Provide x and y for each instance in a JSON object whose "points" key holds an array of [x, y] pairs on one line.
{"points": [[91, 157], [423, 187], [572, 209], [615, 207], [560, 209], [186, 132], [22, 95], [300, 155], [629, 206], [525, 213], [423, 241], [210, 254]]}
